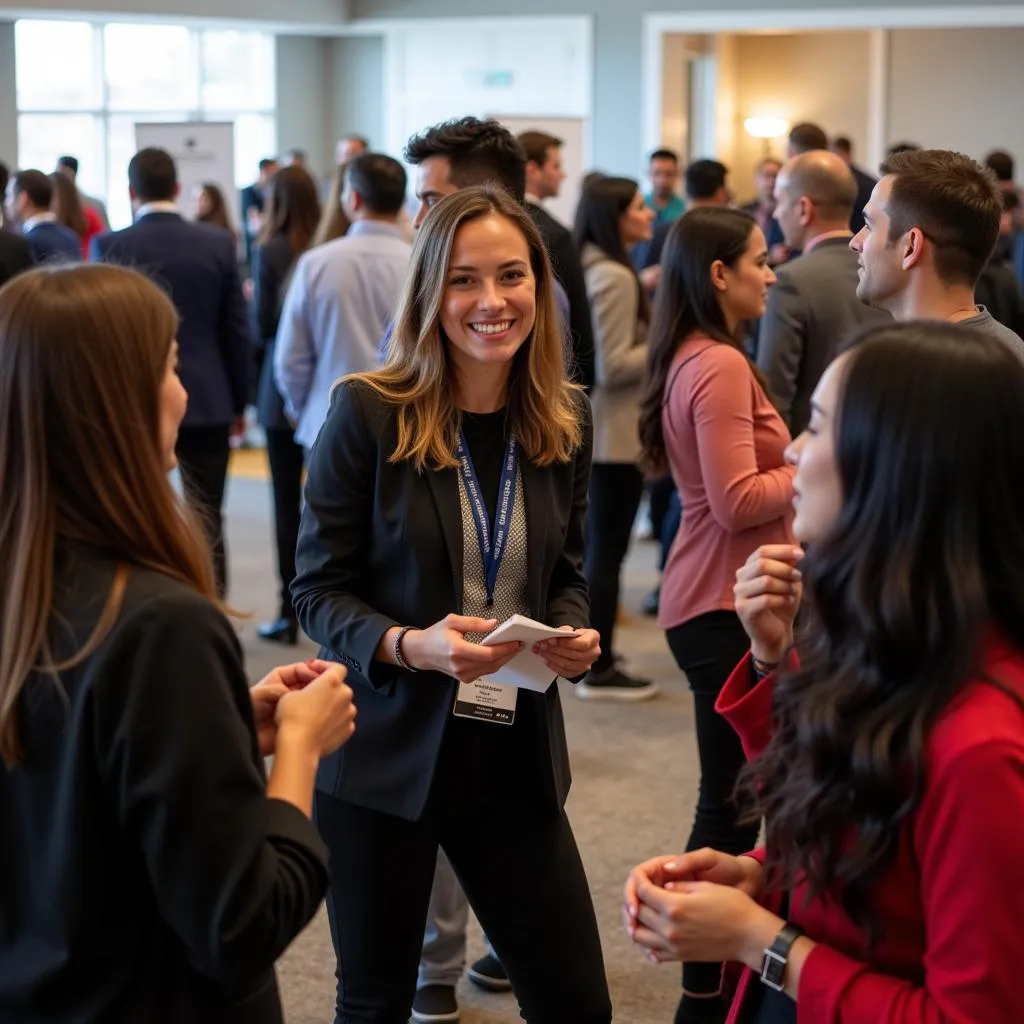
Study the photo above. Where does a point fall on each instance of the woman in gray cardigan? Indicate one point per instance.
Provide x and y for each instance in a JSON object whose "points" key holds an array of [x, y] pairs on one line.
{"points": [[612, 217]]}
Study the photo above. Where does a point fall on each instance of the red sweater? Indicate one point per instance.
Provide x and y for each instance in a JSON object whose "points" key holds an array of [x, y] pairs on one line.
{"points": [[952, 901]]}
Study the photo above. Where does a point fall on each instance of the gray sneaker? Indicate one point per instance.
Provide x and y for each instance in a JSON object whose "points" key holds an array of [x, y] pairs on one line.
{"points": [[435, 1003], [614, 684]]}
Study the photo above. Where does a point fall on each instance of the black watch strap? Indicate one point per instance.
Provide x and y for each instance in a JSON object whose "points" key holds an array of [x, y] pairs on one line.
{"points": [[776, 956]]}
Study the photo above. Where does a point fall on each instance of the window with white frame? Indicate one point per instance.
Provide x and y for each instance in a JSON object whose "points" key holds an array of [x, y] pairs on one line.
{"points": [[114, 75]]}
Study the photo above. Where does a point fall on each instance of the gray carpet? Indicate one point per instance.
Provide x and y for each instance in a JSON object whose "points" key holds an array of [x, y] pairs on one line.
{"points": [[634, 771]]}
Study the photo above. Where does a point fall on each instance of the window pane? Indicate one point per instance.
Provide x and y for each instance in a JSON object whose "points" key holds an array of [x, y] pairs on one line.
{"points": [[238, 70], [120, 149], [44, 137], [56, 65], [255, 138], [149, 67]]}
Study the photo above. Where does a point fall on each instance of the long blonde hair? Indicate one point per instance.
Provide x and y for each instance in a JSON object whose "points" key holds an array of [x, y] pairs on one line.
{"points": [[545, 407], [83, 356], [334, 222]]}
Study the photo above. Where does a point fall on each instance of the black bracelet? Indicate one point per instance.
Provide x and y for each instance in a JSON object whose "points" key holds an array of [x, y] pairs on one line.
{"points": [[396, 650], [764, 668]]}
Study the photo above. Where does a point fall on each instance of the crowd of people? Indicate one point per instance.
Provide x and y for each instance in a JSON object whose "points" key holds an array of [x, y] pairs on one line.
{"points": [[826, 422]]}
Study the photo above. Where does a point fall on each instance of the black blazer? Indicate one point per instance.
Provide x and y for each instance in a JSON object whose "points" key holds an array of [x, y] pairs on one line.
{"points": [[381, 545], [15, 256], [51, 242], [272, 264], [865, 185], [565, 262], [145, 874], [196, 265]]}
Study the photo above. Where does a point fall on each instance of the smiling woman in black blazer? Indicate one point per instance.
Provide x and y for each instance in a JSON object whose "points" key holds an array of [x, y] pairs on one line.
{"points": [[391, 579]]}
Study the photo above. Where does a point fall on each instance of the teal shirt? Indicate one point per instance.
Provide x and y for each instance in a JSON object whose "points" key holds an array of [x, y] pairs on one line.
{"points": [[673, 211]]}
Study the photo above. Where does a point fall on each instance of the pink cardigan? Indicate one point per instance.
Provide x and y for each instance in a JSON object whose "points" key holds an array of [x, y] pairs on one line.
{"points": [[725, 443]]}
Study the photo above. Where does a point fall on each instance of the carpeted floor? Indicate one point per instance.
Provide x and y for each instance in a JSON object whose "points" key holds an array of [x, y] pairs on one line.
{"points": [[634, 771]]}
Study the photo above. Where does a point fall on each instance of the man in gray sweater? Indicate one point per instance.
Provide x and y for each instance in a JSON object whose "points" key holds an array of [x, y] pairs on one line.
{"points": [[930, 227], [813, 307]]}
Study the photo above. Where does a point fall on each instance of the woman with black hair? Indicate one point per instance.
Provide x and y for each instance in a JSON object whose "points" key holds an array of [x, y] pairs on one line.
{"points": [[707, 417], [888, 745], [610, 219]]}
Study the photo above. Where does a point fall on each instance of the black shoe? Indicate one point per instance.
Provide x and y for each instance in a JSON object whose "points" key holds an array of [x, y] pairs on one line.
{"points": [[651, 602], [488, 974], [614, 684], [280, 631], [435, 1003]]}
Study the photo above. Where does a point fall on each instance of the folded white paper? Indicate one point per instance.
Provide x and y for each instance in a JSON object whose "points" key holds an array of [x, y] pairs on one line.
{"points": [[526, 670]]}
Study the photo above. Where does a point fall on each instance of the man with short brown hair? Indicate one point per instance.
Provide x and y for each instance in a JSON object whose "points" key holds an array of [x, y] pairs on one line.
{"points": [[930, 228], [544, 177]]}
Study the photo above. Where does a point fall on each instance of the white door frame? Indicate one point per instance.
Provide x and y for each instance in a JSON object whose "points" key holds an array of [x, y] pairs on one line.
{"points": [[876, 20]]}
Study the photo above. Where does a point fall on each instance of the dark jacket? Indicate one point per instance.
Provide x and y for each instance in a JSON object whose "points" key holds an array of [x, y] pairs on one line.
{"points": [[146, 876], [812, 309], [195, 264], [380, 546], [272, 266], [15, 256], [51, 242], [565, 262], [865, 185]]}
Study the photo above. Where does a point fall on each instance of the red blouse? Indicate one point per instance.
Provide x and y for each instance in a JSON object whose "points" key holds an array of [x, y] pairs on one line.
{"points": [[952, 900]]}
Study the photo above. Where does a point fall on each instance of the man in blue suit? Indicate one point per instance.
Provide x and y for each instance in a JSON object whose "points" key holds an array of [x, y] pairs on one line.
{"points": [[50, 241], [196, 265]]}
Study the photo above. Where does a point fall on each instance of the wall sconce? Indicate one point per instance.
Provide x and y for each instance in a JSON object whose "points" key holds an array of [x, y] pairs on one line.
{"points": [[766, 129]]}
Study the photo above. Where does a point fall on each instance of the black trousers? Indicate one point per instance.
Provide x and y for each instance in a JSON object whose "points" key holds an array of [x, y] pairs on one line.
{"points": [[615, 492], [286, 461], [707, 649], [517, 861], [203, 454]]}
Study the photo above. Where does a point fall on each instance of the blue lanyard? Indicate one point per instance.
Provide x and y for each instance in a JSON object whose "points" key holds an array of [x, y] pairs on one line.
{"points": [[491, 552]]}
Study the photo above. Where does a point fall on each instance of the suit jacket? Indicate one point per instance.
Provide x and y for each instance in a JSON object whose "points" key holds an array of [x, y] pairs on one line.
{"points": [[51, 242], [271, 271], [565, 262], [380, 546], [620, 351], [865, 186], [146, 876], [812, 308], [195, 264], [15, 256]]}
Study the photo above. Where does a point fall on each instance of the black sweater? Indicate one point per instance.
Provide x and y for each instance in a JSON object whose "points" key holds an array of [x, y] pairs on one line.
{"points": [[144, 874]]}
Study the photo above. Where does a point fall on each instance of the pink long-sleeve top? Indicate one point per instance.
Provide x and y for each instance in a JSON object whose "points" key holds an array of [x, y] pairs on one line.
{"points": [[725, 443]]}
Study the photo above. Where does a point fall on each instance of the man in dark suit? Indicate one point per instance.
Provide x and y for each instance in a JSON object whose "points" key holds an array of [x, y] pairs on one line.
{"points": [[196, 265], [843, 148], [544, 177], [50, 241], [15, 255], [254, 198], [813, 306]]}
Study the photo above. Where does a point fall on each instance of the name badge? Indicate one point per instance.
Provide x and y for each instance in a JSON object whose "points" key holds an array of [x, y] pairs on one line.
{"points": [[486, 702]]}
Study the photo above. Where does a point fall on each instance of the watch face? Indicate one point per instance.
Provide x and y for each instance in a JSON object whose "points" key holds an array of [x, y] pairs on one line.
{"points": [[773, 970]]}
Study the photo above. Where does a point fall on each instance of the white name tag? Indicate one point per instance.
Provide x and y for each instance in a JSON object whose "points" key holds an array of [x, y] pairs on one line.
{"points": [[486, 702]]}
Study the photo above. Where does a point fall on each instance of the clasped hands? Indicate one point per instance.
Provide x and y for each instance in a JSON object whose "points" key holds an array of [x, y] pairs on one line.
{"points": [[443, 647], [699, 906]]}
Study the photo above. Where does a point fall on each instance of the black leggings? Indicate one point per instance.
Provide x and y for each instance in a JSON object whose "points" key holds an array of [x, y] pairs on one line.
{"points": [[516, 858], [615, 492], [707, 649]]}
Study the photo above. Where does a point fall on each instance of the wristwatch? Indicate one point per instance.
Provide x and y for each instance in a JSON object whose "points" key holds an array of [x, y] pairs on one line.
{"points": [[776, 956]]}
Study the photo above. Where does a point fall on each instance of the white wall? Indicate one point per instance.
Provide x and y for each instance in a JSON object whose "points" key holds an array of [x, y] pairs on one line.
{"points": [[516, 67], [302, 101], [355, 85], [297, 13], [958, 89], [819, 77]]}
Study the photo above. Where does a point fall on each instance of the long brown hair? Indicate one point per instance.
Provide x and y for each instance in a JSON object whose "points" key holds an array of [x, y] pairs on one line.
{"points": [[84, 352], [293, 208], [218, 215], [334, 222], [545, 408], [67, 204]]}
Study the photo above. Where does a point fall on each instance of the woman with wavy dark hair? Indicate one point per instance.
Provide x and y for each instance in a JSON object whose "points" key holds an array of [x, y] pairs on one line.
{"points": [[706, 417], [291, 216], [888, 744], [611, 218]]}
